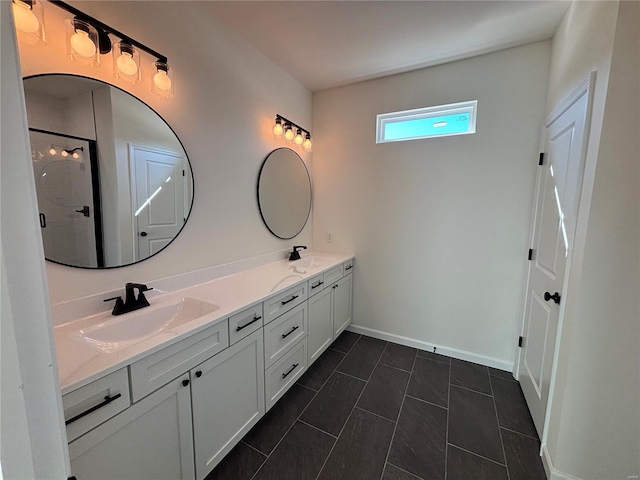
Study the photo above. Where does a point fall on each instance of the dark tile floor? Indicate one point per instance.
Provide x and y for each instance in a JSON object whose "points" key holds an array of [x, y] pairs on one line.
{"points": [[373, 410]]}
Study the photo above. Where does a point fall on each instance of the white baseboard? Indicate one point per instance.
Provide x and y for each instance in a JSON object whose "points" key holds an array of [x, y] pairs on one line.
{"points": [[552, 473], [432, 347]]}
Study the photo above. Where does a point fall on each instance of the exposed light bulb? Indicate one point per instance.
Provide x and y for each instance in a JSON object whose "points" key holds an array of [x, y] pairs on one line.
{"points": [[52, 151], [298, 139], [64, 153], [277, 128], [25, 19], [126, 64], [75, 155], [307, 143], [82, 44], [288, 133], [162, 81]]}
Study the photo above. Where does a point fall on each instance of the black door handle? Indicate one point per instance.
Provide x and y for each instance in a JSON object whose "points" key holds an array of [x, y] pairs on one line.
{"points": [[143, 234], [555, 297], [84, 211], [43, 220]]}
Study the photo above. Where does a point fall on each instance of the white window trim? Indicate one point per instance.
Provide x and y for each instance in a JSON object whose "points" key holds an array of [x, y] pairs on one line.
{"points": [[383, 119]]}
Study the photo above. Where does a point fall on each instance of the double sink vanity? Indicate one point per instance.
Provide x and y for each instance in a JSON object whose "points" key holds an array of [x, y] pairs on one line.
{"points": [[167, 391]]}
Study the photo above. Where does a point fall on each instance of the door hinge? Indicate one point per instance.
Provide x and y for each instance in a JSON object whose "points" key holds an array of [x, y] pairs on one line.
{"points": [[530, 257], [541, 160], [520, 339]]}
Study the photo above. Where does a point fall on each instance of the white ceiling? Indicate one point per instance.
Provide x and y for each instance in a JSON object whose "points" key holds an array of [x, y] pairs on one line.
{"points": [[324, 44]]}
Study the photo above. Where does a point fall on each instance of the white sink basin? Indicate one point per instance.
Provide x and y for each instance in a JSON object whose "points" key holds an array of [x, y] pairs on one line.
{"points": [[312, 262], [126, 330]]}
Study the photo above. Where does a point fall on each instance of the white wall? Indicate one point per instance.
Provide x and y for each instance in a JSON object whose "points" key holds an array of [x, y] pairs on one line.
{"points": [[33, 442], [594, 420], [226, 97], [439, 226]]}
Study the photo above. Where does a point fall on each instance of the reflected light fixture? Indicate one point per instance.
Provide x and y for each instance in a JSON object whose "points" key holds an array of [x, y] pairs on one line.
{"points": [[88, 38], [284, 126], [28, 16]]}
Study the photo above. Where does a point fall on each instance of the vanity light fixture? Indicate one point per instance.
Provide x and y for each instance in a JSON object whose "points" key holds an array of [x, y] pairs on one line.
{"points": [[29, 19], [52, 150], [283, 126], [88, 38]]}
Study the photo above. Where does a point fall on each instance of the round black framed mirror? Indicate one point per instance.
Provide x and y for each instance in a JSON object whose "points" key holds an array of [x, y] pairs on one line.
{"points": [[114, 183], [284, 193]]}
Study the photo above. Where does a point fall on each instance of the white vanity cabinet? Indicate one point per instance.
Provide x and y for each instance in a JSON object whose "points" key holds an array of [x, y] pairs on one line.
{"points": [[228, 399], [329, 312], [152, 439]]}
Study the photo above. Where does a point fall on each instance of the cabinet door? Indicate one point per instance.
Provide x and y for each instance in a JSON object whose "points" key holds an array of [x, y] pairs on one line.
{"points": [[152, 439], [320, 328], [342, 305], [228, 399]]}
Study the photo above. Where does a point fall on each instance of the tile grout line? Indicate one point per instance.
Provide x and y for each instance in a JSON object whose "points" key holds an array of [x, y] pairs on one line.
{"points": [[298, 417], [316, 428], [403, 470], [354, 405], [495, 407], [404, 397], [472, 390], [446, 433], [352, 410], [517, 432], [253, 448], [426, 401], [375, 414], [477, 455]]}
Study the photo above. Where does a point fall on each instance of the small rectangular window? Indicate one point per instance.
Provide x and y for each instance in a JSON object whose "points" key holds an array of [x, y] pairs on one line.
{"points": [[439, 121]]}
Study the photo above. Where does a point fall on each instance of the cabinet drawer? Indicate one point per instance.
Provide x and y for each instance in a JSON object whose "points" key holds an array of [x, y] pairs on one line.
{"points": [[315, 284], [285, 372], [93, 404], [285, 301], [244, 323], [333, 275], [284, 332], [348, 266], [158, 369]]}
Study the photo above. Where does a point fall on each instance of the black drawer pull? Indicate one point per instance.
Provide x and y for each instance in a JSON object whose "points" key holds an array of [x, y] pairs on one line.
{"points": [[107, 401], [198, 374], [185, 383], [290, 300], [285, 335], [293, 367], [254, 320], [349, 267], [317, 285]]}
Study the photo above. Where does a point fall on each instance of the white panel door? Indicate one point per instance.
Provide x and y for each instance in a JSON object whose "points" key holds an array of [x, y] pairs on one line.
{"points": [[342, 305], [320, 329], [557, 193], [228, 399], [158, 198], [152, 439]]}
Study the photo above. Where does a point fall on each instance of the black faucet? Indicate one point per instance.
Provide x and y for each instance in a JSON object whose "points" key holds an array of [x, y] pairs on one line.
{"points": [[130, 303], [295, 255]]}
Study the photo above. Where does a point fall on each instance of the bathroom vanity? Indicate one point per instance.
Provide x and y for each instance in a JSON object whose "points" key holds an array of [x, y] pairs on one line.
{"points": [[167, 391]]}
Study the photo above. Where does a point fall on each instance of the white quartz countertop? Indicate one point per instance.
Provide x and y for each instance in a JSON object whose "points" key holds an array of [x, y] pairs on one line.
{"points": [[80, 362]]}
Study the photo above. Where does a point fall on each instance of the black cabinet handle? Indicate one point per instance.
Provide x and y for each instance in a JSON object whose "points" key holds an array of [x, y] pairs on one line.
{"points": [[293, 367], [290, 300], [107, 401], [185, 383], [43, 220], [317, 285], [143, 234], [555, 297], [334, 287], [198, 374], [285, 335], [349, 267], [254, 320]]}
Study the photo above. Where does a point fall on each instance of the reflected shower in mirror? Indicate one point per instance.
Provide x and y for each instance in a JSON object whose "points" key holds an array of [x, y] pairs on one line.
{"points": [[113, 180], [284, 193]]}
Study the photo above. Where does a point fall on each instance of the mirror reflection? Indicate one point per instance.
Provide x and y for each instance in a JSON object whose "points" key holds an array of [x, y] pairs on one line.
{"points": [[284, 193], [114, 183]]}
